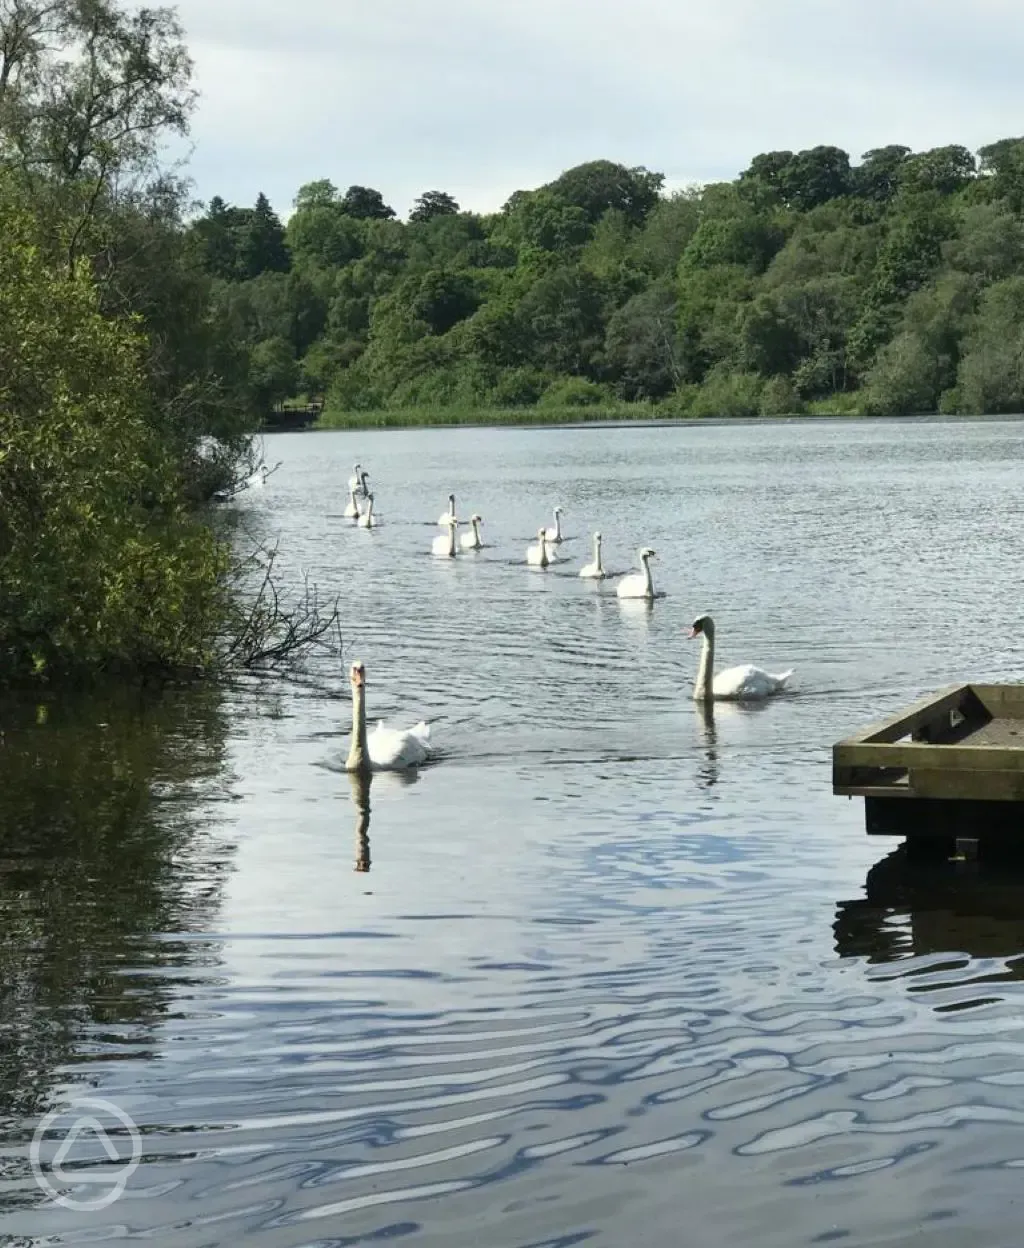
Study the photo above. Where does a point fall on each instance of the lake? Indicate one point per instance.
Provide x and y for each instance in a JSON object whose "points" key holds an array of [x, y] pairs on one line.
{"points": [[610, 967]]}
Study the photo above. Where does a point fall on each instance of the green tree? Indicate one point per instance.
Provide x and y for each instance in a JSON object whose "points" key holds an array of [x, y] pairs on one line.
{"points": [[273, 371], [264, 248], [432, 204], [442, 299], [366, 204], [941, 169], [642, 351], [602, 185], [1002, 164], [99, 563], [879, 174], [991, 373]]}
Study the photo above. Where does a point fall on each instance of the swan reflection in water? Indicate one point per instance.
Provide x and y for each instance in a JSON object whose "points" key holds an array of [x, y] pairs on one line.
{"points": [[912, 908], [707, 771], [361, 797], [360, 783]]}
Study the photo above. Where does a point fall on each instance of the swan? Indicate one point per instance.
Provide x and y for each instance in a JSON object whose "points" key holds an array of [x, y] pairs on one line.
{"points": [[385, 749], [351, 507], [639, 585], [444, 544], [471, 541], [595, 570], [366, 518], [555, 534], [450, 513], [541, 554], [744, 683]]}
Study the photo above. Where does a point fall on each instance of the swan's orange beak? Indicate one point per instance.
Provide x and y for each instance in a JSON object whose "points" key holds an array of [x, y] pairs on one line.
{"points": [[694, 632]]}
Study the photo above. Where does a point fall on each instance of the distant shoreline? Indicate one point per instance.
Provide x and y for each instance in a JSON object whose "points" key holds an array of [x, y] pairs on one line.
{"points": [[532, 418]]}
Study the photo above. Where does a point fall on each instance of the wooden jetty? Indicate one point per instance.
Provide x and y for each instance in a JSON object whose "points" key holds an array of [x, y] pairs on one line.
{"points": [[948, 768]]}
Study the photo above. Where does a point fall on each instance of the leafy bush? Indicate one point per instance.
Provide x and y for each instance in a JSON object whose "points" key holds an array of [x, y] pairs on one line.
{"points": [[779, 398], [575, 392], [100, 565], [728, 394]]}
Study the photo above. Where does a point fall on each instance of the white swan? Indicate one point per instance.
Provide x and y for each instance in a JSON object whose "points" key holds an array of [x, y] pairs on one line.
{"points": [[366, 518], [444, 545], [736, 684], [640, 584], [351, 507], [541, 554], [555, 534], [471, 541], [450, 513], [385, 749], [595, 570], [258, 478], [358, 482]]}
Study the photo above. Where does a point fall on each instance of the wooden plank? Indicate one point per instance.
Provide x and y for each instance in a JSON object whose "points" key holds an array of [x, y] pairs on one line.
{"points": [[928, 757], [902, 722], [987, 786], [1003, 701], [899, 791]]}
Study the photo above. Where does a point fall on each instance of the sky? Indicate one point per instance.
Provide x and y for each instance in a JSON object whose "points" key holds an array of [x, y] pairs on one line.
{"points": [[483, 97]]}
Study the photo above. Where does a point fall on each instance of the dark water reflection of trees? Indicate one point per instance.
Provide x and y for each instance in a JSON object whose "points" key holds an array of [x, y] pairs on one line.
{"points": [[104, 844]]}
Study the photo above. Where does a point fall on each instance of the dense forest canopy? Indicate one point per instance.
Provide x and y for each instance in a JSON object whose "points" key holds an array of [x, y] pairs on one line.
{"points": [[892, 285]]}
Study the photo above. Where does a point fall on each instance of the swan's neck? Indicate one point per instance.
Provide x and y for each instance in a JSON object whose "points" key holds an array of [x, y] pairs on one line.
{"points": [[476, 530], [558, 525], [451, 539], [597, 554], [352, 496], [702, 689], [369, 509], [451, 506], [358, 756], [648, 582]]}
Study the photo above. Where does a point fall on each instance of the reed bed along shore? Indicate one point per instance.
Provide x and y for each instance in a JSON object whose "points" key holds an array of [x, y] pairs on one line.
{"points": [[426, 417]]}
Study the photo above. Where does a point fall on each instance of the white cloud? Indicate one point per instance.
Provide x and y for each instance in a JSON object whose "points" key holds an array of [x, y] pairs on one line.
{"points": [[480, 97]]}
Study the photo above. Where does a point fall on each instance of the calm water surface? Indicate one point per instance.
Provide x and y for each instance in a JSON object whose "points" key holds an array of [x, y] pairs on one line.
{"points": [[610, 969]]}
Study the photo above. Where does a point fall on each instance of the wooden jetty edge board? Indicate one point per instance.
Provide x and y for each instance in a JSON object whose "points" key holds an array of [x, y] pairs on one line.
{"points": [[964, 743]]}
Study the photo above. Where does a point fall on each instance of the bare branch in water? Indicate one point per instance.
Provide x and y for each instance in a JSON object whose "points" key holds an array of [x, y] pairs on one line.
{"points": [[270, 633]]}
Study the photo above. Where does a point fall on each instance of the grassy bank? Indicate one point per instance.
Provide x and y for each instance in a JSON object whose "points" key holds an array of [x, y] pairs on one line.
{"points": [[424, 417], [429, 417]]}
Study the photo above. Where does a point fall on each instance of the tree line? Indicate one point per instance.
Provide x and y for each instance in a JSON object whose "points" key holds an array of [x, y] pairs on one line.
{"points": [[890, 286]]}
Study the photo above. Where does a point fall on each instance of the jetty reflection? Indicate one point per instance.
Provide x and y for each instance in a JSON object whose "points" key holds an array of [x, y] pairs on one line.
{"points": [[912, 908]]}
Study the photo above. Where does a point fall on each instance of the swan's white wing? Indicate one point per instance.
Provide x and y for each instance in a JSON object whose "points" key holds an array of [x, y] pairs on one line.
{"points": [[634, 586], [393, 748], [747, 682]]}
